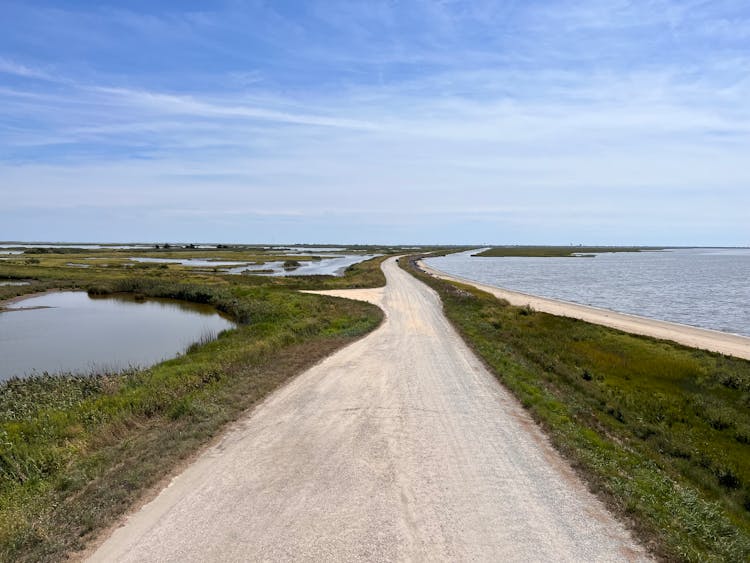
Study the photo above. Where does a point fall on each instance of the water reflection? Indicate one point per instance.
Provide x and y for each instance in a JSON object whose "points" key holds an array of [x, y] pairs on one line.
{"points": [[70, 331], [330, 265], [326, 266], [194, 262]]}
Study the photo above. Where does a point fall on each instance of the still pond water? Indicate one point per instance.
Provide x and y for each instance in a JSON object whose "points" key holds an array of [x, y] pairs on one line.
{"points": [[72, 332], [329, 265]]}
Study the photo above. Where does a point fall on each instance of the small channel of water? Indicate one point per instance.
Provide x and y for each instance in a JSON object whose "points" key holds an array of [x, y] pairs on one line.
{"points": [[72, 332]]}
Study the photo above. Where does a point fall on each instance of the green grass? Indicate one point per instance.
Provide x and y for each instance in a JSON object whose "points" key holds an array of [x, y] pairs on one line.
{"points": [[660, 431], [51, 272], [76, 452], [360, 275], [558, 251]]}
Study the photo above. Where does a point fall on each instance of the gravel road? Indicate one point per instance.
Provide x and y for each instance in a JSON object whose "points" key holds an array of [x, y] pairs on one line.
{"points": [[399, 447]]}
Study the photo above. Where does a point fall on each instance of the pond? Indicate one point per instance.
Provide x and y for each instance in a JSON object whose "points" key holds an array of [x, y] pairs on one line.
{"points": [[307, 249], [72, 332], [195, 262], [326, 265], [333, 265]]}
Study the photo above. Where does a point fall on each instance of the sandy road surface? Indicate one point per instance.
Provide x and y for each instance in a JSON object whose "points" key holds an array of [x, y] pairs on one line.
{"points": [[713, 340], [399, 447]]}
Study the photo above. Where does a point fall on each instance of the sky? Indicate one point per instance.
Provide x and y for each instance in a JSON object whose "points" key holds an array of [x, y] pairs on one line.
{"points": [[395, 122]]}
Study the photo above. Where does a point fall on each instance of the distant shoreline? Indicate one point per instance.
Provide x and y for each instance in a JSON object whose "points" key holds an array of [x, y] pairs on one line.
{"points": [[706, 339]]}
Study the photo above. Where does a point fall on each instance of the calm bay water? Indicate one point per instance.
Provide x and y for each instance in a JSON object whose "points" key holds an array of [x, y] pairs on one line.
{"points": [[703, 287], [71, 332]]}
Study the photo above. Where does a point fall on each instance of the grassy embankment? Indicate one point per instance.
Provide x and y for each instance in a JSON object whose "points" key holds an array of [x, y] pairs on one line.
{"points": [[76, 452], [558, 251], [660, 431]]}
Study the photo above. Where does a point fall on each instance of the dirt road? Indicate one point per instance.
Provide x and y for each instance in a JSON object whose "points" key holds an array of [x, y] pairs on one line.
{"points": [[399, 447]]}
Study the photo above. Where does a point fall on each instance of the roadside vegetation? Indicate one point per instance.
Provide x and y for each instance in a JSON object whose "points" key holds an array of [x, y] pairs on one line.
{"points": [[61, 268], [661, 432], [77, 451], [558, 251]]}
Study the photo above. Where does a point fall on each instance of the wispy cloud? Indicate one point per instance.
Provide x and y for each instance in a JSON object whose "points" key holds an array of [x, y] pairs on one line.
{"points": [[477, 115], [188, 105], [11, 67]]}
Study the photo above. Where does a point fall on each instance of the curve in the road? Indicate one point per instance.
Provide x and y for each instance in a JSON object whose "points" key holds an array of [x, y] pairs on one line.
{"points": [[399, 447]]}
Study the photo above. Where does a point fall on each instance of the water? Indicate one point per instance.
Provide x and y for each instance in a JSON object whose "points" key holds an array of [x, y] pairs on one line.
{"points": [[84, 246], [328, 265], [72, 332], [193, 262], [334, 266], [258, 269], [702, 287], [307, 249]]}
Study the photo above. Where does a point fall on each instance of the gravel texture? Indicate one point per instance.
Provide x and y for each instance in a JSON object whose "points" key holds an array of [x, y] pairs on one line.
{"points": [[399, 447]]}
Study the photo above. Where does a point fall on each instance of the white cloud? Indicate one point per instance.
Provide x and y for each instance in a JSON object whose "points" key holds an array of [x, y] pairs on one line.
{"points": [[166, 104], [528, 135], [8, 66]]}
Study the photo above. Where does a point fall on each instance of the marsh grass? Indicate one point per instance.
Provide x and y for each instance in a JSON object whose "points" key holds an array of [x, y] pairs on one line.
{"points": [[223, 299], [77, 451], [362, 274], [206, 336], [659, 430]]}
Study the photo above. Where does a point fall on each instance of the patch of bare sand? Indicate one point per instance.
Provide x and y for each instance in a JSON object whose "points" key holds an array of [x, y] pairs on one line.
{"points": [[712, 340]]}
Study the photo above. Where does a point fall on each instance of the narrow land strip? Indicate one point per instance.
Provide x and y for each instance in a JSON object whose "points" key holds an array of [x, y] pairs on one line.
{"points": [[399, 447], [714, 341]]}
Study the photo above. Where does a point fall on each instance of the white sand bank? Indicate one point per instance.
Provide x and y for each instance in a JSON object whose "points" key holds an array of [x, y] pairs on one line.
{"points": [[715, 341]]}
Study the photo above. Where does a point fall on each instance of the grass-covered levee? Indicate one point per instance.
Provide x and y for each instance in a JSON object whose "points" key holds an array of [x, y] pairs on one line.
{"points": [[77, 451], [660, 431]]}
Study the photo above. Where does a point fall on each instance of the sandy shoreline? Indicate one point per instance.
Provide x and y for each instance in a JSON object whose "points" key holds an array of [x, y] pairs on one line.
{"points": [[715, 341]]}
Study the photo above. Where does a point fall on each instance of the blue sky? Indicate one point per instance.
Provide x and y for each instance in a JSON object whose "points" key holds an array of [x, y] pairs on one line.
{"points": [[592, 121]]}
